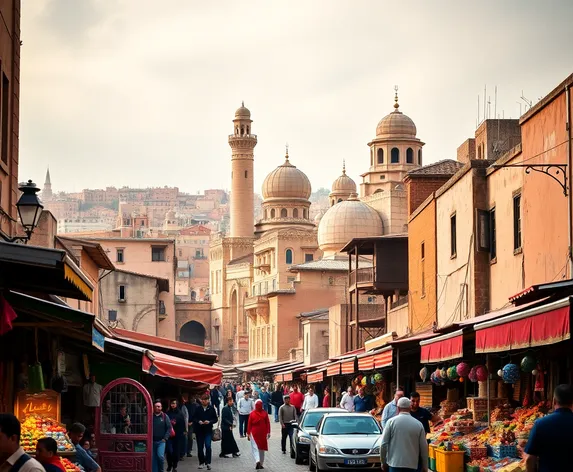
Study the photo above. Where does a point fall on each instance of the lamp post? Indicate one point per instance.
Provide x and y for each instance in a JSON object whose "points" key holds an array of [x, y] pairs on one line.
{"points": [[29, 210]]}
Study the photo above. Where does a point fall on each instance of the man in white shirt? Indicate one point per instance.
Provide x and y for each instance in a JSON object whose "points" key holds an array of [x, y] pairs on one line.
{"points": [[347, 401], [391, 409], [245, 405], [404, 446], [92, 392], [12, 456], [310, 400]]}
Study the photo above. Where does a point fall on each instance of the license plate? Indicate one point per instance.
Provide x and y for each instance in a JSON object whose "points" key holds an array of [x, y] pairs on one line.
{"points": [[355, 461]]}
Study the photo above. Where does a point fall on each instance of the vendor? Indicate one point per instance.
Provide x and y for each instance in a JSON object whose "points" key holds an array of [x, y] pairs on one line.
{"points": [[47, 455], [423, 415], [76, 433]]}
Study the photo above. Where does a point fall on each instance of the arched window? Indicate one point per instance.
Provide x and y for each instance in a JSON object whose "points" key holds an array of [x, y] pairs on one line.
{"points": [[242, 130], [248, 129], [288, 256], [305, 214], [409, 156], [380, 156], [265, 214], [395, 156], [479, 152], [295, 213], [371, 157], [283, 213], [246, 174], [273, 213], [339, 200], [419, 157]]}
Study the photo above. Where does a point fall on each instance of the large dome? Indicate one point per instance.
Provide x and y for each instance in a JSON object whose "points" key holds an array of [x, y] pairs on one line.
{"points": [[345, 221], [286, 181], [396, 125]]}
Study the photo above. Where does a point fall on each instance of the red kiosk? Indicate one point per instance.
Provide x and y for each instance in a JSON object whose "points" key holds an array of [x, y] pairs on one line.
{"points": [[124, 427]]}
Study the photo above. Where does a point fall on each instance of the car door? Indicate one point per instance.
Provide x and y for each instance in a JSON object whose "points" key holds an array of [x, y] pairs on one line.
{"points": [[314, 440]]}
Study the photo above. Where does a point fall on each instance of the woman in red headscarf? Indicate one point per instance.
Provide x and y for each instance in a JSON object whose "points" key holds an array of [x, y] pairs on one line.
{"points": [[258, 432]]}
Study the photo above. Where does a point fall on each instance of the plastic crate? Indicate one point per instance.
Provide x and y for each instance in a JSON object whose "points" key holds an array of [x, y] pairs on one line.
{"points": [[449, 461], [478, 452], [433, 464], [499, 452]]}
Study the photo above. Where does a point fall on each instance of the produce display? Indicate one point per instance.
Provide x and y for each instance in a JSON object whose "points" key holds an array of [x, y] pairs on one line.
{"points": [[35, 427], [501, 413], [71, 467]]}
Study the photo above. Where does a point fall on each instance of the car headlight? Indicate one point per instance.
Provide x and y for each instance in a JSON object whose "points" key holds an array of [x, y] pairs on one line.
{"points": [[304, 440], [376, 450], [328, 450]]}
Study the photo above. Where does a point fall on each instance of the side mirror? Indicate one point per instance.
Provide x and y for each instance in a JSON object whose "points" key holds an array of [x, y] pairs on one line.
{"points": [[314, 433]]}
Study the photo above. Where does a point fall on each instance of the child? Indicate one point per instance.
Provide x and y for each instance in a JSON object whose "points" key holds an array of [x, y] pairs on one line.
{"points": [[87, 447], [47, 455]]}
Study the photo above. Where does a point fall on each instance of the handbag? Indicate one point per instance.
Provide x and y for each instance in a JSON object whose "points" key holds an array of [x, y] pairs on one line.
{"points": [[171, 429], [216, 432]]}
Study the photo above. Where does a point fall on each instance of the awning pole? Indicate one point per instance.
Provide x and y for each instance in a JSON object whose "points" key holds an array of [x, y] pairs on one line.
{"points": [[487, 396], [397, 368]]}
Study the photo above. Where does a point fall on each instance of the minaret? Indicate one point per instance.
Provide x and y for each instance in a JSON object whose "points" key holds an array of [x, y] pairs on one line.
{"points": [[47, 190], [242, 143]]}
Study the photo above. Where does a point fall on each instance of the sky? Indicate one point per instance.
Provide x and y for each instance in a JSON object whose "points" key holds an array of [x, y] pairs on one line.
{"points": [[143, 93]]}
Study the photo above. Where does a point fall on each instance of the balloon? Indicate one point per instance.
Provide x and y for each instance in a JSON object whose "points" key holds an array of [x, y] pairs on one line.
{"points": [[424, 373], [500, 373], [461, 379], [481, 373], [528, 363], [444, 373], [364, 380], [463, 369], [452, 373], [372, 380], [438, 374], [472, 375], [534, 372], [510, 373], [378, 377]]}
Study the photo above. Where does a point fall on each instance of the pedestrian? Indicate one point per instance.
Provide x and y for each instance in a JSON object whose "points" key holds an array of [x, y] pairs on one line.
{"points": [[47, 455], [245, 407], [76, 434], [549, 446], [404, 447], [296, 399], [240, 394], [161, 433], [228, 444], [287, 416], [266, 398], [205, 418], [191, 409], [362, 402], [178, 424], [326, 398], [259, 432], [422, 414], [277, 401], [391, 409], [347, 401], [215, 399], [310, 400], [184, 439]]}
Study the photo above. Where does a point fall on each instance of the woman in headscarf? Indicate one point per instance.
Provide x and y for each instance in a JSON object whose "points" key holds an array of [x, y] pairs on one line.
{"points": [[258, 432]]}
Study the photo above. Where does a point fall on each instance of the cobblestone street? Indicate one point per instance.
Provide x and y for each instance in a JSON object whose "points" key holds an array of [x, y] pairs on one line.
{"points": [[275, 460]]}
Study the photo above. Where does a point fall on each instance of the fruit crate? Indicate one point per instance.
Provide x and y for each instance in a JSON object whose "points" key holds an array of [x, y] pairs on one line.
{"points": [[501, 451], [449, 461], [477, 452], [432, 457]]}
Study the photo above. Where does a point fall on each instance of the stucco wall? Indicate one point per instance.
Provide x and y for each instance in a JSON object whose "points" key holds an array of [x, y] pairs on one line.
{"points": [[316, 349], [194, 311]]}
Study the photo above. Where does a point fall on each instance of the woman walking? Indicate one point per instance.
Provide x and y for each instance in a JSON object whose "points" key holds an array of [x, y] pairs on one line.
{"points": [[258, 432], [228, 444], [173, 444]]}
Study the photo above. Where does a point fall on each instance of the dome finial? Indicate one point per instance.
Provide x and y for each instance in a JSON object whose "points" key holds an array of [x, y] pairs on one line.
{"points": [[286, 155], [242, 103], [396, 105], [343, 166]]}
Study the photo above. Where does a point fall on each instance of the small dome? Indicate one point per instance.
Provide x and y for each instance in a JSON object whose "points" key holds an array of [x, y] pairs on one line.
{"points": [[344, 184], [318, 217], [396, 124], [345, 221], [286, 181], [243, 112]]}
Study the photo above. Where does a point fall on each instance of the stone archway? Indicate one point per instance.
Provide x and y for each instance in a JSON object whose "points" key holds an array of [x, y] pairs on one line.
{"points": [[193, 332]]}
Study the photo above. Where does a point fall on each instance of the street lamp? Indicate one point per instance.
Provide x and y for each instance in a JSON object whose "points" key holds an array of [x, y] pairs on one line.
{"points": [[29, 210]]}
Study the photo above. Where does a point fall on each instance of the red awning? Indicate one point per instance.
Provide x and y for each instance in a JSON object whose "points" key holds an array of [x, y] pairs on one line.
{"points": [[366, 362], [333, 369], [383, 358], [539, 326], [287, 377], [278, 377], [442, 348], [349, 366], [315, 377]]}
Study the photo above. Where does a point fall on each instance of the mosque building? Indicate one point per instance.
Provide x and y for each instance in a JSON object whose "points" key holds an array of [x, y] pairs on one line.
{"points": [[264, 274]]}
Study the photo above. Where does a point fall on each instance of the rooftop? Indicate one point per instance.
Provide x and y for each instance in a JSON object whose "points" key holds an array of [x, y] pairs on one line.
{"points": [[329, 264], [444, 167], [242, 260]]}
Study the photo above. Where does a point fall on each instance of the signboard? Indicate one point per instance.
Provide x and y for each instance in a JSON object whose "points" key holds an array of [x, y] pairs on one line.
{"points": [[46, 403], [98, 339]]}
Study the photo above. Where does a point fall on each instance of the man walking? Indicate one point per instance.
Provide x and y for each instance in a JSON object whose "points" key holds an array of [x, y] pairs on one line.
{"points": [[191, 409], [404, 447], [347, 401], [245, 407], [287, 416], [391, 409], [161, 433], [266, 398], [310, 401], [549, 446], [277, 401], [205, 418], [362, 402], [297, 399]]}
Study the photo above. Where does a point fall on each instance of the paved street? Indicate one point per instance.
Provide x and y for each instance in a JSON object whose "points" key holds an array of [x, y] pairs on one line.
{"points": [[274, 460]]}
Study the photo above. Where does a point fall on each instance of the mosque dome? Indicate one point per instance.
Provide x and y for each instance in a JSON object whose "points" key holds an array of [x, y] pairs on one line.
{"points": [[243, 113], [318, 217], [345, 221], [344, 184], [286, 181], [396, 125]]}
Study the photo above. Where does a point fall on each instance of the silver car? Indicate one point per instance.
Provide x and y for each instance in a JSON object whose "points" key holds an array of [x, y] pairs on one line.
{"points": [[345, 441]]}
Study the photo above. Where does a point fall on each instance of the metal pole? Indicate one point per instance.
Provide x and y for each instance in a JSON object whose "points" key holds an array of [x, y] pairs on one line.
{"points": [[357, 301], [397, 368], [487, 396], [569, 177]]}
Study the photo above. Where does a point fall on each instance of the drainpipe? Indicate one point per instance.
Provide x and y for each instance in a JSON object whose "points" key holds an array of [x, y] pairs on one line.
{"points": [[569, 179]]}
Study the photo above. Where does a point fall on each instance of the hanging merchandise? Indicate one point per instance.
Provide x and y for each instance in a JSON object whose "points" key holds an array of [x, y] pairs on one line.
{"points": [[528, 364], [539, 380], [463, 369], [364, 380], [372, 380], [444, 374], [452, 373], [378, 377], [500, 373], [534, 372], [481, 373], [35, 373], [438, 374], [511, 373], [473, 374], [424, 373]]}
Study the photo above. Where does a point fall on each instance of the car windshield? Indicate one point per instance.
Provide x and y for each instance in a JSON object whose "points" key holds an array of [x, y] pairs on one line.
{"points": [[311, 419], [350, 425]]}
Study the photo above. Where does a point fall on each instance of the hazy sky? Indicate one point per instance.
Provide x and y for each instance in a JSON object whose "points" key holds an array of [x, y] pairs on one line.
{"points": [[142, 92]]}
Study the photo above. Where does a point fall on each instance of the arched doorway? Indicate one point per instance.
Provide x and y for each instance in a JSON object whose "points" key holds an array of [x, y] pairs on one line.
{"points": [[193, 332]]}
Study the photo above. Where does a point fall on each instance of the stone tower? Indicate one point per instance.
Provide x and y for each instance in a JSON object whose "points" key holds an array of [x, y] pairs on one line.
{"points": [[47, 190], [242, 143]]}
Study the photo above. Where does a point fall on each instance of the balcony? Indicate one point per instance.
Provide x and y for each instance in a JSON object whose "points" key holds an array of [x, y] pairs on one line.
{"points": [[257, 306], [362, 277]]}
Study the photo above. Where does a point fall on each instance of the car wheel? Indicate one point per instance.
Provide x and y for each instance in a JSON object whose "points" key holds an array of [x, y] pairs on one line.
{"points": [[297, 459]]}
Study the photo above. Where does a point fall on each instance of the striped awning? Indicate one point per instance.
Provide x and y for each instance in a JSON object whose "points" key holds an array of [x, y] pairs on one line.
{"points": [[315, 377], [348, 366], [278, 378], [366, 362], [287, 377], [383, 358], [333, 369]]}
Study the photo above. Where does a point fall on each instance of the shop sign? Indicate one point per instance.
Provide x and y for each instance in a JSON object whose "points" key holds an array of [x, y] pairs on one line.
{"points": [[98, 339], [46, 403]]}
